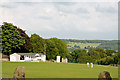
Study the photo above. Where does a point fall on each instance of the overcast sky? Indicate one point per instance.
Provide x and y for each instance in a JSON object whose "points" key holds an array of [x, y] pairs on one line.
{"points": [[64, 20]]}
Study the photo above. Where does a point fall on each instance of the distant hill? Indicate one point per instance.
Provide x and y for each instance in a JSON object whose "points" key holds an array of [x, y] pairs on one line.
{"points": [[86, 44]]}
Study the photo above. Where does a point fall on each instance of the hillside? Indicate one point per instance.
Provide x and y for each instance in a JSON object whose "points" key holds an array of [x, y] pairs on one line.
{"points": [[86, 44]]}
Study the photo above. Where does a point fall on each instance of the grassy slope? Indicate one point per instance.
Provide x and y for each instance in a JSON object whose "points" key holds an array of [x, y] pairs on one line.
{"points": [[57, 70], [106, 44], [83, 45]]}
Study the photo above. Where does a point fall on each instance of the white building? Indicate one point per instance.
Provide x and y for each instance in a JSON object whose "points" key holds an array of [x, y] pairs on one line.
{"points": [[21, 57], [64, 60], [58, 59]]}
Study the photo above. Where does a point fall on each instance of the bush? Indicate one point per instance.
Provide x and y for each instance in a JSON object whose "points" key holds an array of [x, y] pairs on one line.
{"points": [[106, 61]]}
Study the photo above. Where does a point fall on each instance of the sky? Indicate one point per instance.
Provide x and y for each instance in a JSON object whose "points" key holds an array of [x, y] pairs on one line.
{"points": [[64, 20]]}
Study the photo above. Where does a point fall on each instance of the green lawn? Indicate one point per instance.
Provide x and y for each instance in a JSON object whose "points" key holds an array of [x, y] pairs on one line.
{"points": [[57, 70]]}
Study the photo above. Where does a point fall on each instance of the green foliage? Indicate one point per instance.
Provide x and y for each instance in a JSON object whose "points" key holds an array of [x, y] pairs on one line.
{"points": [[55, 47], [51, 49], [27, 46], [61, 46], [113, 44], [86, 44], [37, 43], [74, 45], [11, 39], [95, 55], [118, 57], [82, 57], [98, 55], [106, 61], [79, 55], [102, 52], [109, 52]]}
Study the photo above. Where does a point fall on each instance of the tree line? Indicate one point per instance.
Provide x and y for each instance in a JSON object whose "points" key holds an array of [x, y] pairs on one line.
{"points": [[15, 40], [106, 44], [98, 56]]}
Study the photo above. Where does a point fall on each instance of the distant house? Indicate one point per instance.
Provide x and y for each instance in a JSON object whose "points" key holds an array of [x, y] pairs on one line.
{"points": [[64, 60], [28, 57]]}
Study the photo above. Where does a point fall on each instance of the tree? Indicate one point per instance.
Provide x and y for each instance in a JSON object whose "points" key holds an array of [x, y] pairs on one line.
{"points": [[61, 46], [11, 39], [37, 43], [56, 47], [51, 49], [79, 55], [27, 46], [109, 60], [102, 52], [118, 57], [82, 56], [94, 54], [109, 52], [75, 46], [106, 61]]}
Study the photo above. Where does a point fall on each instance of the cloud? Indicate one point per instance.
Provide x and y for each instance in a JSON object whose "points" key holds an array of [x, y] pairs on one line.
{"points": [[106, 8], [64, 20]]}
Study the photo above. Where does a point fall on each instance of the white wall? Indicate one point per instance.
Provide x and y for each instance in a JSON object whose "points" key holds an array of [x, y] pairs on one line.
{"points": [[14, 57], [27, 58], [66, 60], [43, 58], [58, 59]]}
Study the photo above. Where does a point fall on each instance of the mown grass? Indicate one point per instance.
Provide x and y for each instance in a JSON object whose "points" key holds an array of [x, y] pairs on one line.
{"points": [[57, 70]]}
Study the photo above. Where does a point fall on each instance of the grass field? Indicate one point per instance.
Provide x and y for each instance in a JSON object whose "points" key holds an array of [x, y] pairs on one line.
{"points": [[83, 45], [57, 70]]}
